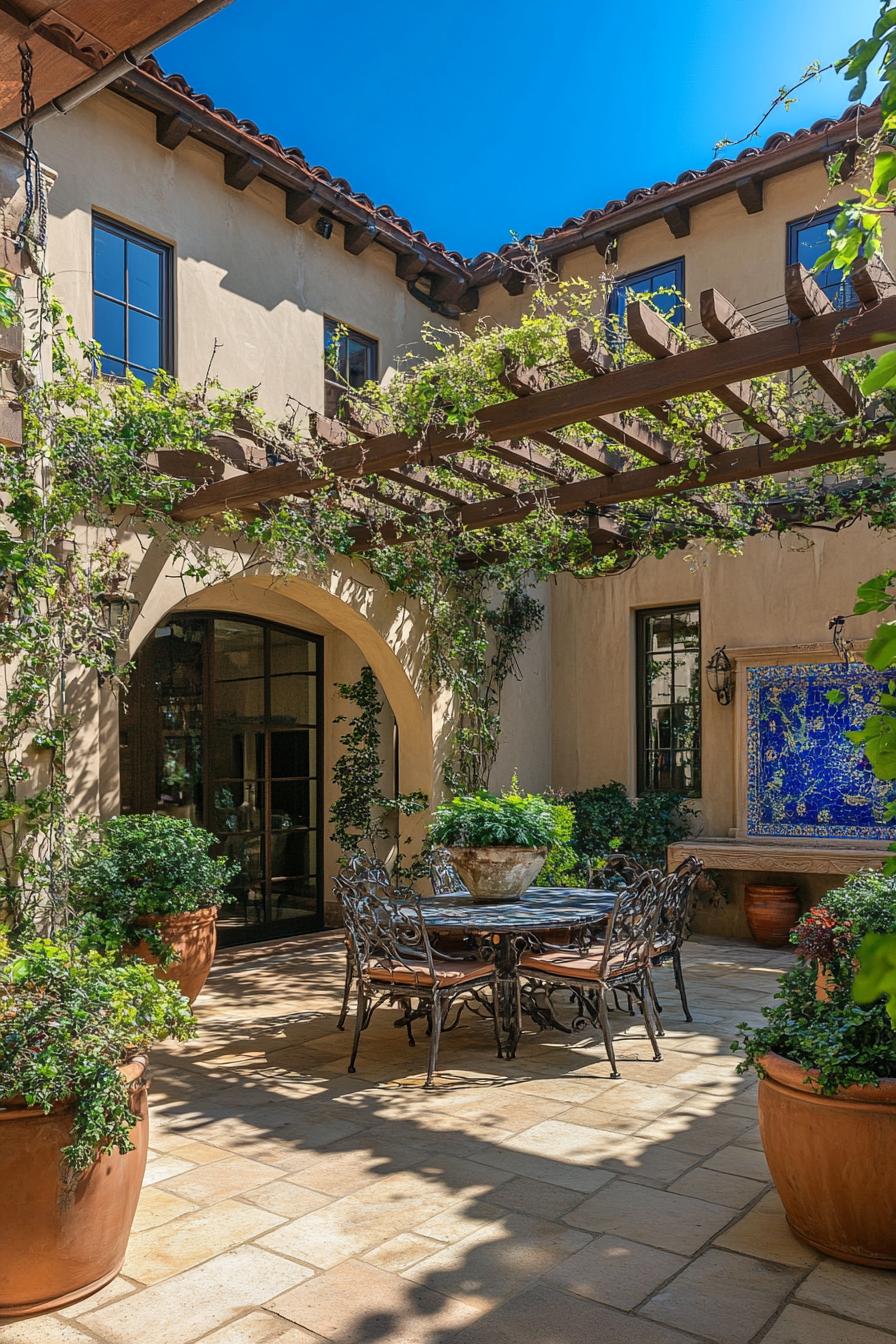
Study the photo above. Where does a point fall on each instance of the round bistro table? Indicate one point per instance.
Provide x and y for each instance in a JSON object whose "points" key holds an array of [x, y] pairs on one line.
{"points": [[500, 929]]}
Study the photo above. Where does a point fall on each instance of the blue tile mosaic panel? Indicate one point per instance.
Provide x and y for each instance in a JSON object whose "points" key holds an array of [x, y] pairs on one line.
{"points": [[803, 777]]}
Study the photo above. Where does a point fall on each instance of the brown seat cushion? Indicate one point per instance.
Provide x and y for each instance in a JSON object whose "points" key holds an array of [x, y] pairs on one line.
{"points": [[572, 964], [447, 973]]}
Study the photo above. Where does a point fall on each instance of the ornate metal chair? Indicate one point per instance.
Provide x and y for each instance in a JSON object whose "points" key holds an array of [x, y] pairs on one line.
{"points": [[674, 893], [590, 970], [395, 964], [361, 874], [443, 875]]}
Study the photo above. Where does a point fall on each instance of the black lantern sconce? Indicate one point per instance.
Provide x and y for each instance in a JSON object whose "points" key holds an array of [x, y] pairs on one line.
{"points": [[119, 610], [720, 676]]}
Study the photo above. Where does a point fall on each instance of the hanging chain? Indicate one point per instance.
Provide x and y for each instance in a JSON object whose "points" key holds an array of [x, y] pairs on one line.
{"points": [[35, 191]]}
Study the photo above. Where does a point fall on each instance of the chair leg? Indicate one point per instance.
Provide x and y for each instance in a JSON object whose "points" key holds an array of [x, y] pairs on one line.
{"points": [[657, 1006], [679, 980], [360, 1023], [346, 993], [434, 1039], [646, 1001], [604, 1019], [408, 1008]]}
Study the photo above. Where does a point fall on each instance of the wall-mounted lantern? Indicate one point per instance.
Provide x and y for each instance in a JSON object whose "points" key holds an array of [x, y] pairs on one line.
{"points": [[119, 610], [720, 676]]}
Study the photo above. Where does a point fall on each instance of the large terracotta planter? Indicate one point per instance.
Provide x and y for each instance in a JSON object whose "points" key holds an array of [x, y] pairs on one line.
{"points": [[194, 937], [497, 872], [771, 912], [63, 1237], [831, 1159]]}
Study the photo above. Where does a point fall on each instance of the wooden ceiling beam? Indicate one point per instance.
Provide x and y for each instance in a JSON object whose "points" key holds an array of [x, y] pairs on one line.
{"points": [[749, 193], [655, 337], [871, 280], [172, 129], [240, 170], [358, 237], [806, 299], [415, 480]]}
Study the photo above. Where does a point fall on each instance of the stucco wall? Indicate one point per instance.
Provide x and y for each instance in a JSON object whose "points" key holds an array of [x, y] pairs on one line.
{"points": [[244, 274]]}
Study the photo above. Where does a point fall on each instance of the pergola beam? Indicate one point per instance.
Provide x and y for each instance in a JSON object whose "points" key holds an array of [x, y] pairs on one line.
{"points": [[705, 368]]}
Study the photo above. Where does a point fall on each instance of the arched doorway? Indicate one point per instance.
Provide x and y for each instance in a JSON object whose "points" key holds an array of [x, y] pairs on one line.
{"points": [[222, 724]]}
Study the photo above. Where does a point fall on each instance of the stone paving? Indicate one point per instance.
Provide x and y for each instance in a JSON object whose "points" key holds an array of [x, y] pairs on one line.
{"points": [[529, 1200]]}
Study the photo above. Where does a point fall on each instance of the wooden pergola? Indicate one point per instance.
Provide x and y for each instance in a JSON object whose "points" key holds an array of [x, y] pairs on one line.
{"points": [[628, 458]]}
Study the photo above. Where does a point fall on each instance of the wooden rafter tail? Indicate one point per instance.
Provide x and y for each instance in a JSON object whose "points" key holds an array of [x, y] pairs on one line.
{"points": [[417, 480], [806, 299], [524, 457], [871, 280], [655, 337]]}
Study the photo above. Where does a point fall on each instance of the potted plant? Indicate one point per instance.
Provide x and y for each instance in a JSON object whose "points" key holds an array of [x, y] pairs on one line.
{"points": [[148, 887], [827, 1091], [497, 842], [75, 1026]]}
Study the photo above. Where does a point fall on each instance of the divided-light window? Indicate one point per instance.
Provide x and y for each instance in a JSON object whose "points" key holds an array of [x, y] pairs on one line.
{"points": [[651, 283], [355, 362], [668, 668], [131, 301], [807, 240]]}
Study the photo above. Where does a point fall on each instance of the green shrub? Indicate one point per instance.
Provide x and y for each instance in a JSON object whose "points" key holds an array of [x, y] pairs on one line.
{"points": [[845, 1041], [68, 1018], [608, 821], [562, 867], [511, 818], [144, 865]]}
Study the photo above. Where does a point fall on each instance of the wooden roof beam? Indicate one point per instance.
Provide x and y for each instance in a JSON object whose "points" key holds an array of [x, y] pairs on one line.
{"points": [[240, 170], [806, 299], [172, 129], [416, 480], [358, 237], [749, 193], [654, 335]]}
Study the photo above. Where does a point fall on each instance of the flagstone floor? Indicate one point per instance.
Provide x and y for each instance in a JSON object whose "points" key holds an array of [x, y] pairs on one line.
{"points": [[531, 1200]]}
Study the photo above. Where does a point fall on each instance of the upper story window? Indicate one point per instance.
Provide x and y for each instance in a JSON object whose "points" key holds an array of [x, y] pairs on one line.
{"points": [[807, 239], [356, 362], [668, 668], [669, 277], [131, 300]]}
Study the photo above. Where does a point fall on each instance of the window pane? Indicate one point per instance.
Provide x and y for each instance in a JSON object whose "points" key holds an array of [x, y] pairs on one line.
{"points": [[108, 326], [108, 262], [669, 674], [239, 701], [358, 362], [292, 803], [292, 753], [144, 340], [660, 631], [113, 368], [237, 754], [808, 242], [239, 650], [292, 653], [238, 806], [293, 699], [144, 278]]}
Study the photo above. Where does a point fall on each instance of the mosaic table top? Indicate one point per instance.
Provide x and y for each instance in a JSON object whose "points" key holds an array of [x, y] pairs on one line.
{"points": [[537, 908]]}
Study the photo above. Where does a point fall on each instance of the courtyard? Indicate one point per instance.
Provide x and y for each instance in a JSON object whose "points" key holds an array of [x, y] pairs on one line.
{"points": [[526, 1199]]}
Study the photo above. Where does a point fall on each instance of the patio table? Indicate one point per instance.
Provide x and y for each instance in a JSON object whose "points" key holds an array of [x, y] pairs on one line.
{"points": [[500, 929]]}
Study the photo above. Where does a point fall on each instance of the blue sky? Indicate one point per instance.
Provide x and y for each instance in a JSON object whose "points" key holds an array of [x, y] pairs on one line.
{"points": [[481, 120]]}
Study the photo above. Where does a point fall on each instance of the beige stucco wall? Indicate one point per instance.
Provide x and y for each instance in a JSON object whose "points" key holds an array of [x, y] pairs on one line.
{"points": [[244, 274], [741, 255]]}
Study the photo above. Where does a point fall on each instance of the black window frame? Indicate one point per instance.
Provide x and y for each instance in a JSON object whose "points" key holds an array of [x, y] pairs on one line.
{"points": [[614, 309], [334, 389], [165, 252], [847, 295], [642, 616]]}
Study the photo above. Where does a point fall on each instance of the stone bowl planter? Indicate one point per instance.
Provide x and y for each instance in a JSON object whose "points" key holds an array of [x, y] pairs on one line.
{"points": [[497, 872], [194, 937], [62, 1237], [831, 1159]]}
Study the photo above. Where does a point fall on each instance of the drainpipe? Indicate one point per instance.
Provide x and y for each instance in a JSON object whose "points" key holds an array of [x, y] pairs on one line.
{"points": [[123, 64]]}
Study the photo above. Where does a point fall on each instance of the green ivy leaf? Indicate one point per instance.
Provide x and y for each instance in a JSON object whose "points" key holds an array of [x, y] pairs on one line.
{"points": [[881, 652], [834, 697], [882, 375], [876, 977]]}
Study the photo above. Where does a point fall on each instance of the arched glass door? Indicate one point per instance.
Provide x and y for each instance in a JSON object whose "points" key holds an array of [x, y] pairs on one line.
{"points": [[222, 725]]}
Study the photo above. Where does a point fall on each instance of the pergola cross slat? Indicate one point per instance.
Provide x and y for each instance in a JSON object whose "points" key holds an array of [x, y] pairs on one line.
{"points": [[538, 410]]}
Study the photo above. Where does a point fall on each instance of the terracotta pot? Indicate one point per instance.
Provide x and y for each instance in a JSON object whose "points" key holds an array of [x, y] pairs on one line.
{"points": [[64, 1237], [771, 912], [194, 937], [831, 1159], [497, 872]]}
